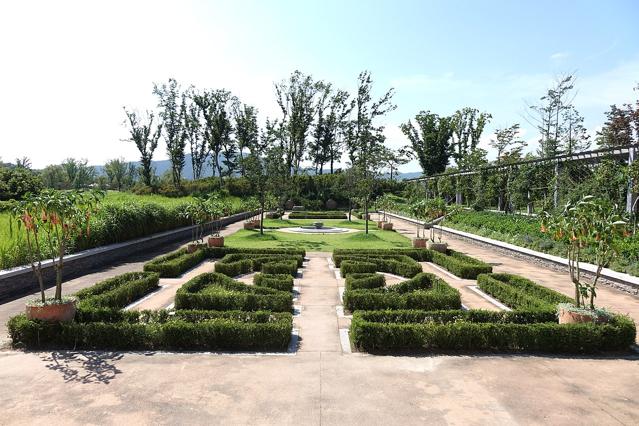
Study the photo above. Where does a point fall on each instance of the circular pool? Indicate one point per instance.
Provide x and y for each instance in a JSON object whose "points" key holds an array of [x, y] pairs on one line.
{"points": [[318, 230]]}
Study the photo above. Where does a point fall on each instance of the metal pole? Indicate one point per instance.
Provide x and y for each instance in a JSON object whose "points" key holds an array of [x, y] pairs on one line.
{"points": [[458, 194], [630, 196]]}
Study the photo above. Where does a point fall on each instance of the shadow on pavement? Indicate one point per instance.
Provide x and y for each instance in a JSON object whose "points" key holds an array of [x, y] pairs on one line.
{"points": [[84, 367]]}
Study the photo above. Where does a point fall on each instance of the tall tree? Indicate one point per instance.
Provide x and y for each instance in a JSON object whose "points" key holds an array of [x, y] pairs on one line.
{"points": [[246, 131], [79, 173], [146, 138], [116, 171], [296, 99], [508, 143], [192, 132], [365, 137], [621, 126], [468, 126], [430, 142], [392, 159], [174, 135], [332, 113]]}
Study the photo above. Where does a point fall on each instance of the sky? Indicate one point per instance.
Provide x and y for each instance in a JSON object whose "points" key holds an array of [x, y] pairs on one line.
{"points": [[68, 68]]}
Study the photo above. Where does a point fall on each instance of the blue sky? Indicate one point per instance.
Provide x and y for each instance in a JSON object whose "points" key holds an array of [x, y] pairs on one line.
{"points": [[69, 67]]}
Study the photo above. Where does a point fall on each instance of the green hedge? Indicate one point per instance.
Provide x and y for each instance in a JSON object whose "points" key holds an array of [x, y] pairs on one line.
{"points": [[424, 291], [283, 282], [397, 264], [420, 255], [355, 281], [318, 215], [119, 291], [214, 291], [187, 330], [460, 264], [534, 331], [520, 293], [176, 263], [233, 265]]}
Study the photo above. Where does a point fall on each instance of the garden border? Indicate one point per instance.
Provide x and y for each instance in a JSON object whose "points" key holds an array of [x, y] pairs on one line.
{"points": [[20, 281]]}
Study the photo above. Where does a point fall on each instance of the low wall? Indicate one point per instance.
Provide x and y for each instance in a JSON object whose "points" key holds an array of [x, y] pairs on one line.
{"points": [[20, 281]]}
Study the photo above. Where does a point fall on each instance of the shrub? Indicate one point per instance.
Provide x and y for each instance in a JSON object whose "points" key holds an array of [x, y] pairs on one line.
{"points": [[535, 331], [214, 291], [392, 264], [242, 263], [424, 291], [175, 263], [119, 291], [317, 215], [460, 264], [520, 293], [364, 280], [419, 255], [192, 330], [283, 282]]}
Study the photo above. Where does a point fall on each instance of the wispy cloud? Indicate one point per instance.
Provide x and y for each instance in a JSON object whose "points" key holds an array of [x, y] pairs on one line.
{"points": [[557, 56]]}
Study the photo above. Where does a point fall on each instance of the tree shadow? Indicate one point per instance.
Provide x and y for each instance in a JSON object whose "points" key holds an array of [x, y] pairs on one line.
{"points": [[85, 366]]}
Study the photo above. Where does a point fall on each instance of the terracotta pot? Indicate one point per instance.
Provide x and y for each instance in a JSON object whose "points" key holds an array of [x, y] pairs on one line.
{"points": [[387, 226], [567, 316], [256, 223], [249, 225], [419, 242], [380, 223], [440, 247], [53, 312], [216, 241]]}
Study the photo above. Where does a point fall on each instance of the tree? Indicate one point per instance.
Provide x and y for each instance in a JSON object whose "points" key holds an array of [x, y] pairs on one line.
{"points": [[146, 140], [431, 142], [16, 182], [507, 143], [468, 125], [79, 173], [246, 131], [23, 163], [365, 138], [192, 129], [173, 117], [264, 171], [392, 159], [296, 99], [621, 127], [53, 176], [332, 111], [116, 171]]}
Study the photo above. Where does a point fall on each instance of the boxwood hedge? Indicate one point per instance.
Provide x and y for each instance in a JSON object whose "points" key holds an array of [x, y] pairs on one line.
{"points": [[119, 291], [535, 331], [393, 264], [242, 263], [214, 291], [283, 282], [460, 264], [356, 281], [520, 293], [424, 291], [317, 215], [420, 255]]}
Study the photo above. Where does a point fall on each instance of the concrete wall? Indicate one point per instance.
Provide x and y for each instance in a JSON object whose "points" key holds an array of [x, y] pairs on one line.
{"points": [[18, 282]]}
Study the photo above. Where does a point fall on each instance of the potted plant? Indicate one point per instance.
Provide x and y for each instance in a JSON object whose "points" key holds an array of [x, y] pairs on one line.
{"points": [[252, 205], [53, 221], [592, 225], [217, 209], [435, 210], [198, 213]]}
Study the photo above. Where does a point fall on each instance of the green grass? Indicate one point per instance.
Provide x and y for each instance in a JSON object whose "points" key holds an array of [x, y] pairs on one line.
{"points": [[276, 239], [288, 223]]}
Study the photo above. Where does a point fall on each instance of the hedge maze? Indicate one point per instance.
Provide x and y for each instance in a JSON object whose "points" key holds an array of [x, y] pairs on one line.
{"points": [[423, 314]]}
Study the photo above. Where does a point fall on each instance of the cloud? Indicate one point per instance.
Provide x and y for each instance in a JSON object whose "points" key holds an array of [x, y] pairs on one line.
{"points": [[557, 56]]}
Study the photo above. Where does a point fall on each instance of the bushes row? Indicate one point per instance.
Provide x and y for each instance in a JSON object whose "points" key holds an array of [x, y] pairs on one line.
{"points": [[119, 291], [236, 264], [317, 215], [424, 291], [460, 264], [520, 293], [357, 281], [420, 255], [214, 291], [187, 330], [398, 265], [538, 331], [282, 282], [176, 263]]}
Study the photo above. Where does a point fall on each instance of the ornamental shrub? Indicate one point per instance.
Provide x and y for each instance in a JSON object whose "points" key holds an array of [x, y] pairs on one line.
{"points": [[119, 291], [283, 282], [520, 293], [460, 264]]}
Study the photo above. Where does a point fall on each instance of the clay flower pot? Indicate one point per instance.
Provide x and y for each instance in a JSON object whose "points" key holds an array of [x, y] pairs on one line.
{"points": [[249, 225], [419, 242], [387, 226], [380, 224], [53, 312], [567, 316], [440, 247], [216, 241]]}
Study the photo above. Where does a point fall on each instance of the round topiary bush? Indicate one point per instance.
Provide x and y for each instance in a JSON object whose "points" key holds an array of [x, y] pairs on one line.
{"points": [[331, 204]]}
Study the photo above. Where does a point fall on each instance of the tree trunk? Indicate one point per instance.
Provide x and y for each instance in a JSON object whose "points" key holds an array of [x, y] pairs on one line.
{"points": [[262, 218], [366, 213]]}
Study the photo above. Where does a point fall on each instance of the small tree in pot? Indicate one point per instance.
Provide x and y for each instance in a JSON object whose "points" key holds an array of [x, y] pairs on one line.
{"points": [[592, 225], [217, 208], [198, 212], [53, 221]]}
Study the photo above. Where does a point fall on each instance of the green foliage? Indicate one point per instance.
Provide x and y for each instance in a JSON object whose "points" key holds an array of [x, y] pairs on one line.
{"points": [[424, 291], [283, 282], [317, 215], [356, 281], [241, 263], [460, 264], [394, 264], [214, 291], [520, 293], [176, 263], [119, 291], [16, 182], [475, 330]]}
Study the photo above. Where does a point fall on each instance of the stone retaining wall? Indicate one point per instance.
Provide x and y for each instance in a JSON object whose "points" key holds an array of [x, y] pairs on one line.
{"points": [[20, 281]]}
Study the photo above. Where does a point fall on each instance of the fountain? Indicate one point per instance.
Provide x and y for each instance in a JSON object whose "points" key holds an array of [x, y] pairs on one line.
{"points": [[318, 228]]}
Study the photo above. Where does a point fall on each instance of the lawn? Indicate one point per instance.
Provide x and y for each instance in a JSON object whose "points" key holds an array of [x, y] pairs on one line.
{"points": [[325, 242], [288, 223]]}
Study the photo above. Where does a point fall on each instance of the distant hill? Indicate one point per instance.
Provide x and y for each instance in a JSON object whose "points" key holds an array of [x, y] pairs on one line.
{"points": [[163, 166]]}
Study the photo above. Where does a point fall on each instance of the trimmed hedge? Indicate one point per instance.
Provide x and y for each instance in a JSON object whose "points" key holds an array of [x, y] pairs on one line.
{"points": [[520, 293], [392, 264], [174, 264], [215, 291], [187, 330], [420, 255], [318, 215], [233, 265], [424, 291], [283, 282], [119, 291], [460, 264], [357, 281], [534, 331]]}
